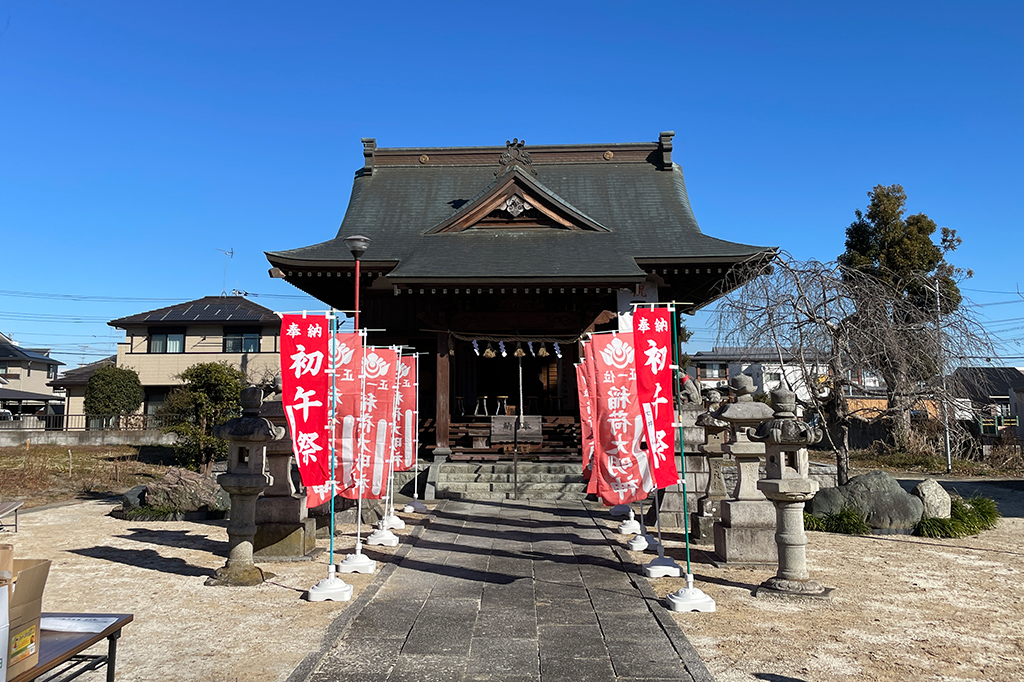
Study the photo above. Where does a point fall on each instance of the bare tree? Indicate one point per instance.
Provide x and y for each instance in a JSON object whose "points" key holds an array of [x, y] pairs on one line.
{"points": [[837, 324]]}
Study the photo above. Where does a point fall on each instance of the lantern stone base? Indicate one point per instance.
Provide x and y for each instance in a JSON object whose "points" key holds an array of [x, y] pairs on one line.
{"points": [[794, 590], [285, 541], [243, 576], [746, 534]]}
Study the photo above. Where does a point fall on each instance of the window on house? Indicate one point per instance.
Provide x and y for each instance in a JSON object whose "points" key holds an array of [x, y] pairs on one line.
{"points": [[773, 376], [51, 371], [167, 341], [711, 371], [4, 368], [241, 340]]}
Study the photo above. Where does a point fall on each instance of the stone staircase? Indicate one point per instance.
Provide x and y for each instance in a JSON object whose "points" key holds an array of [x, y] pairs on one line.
{"points": [[469, 481]]}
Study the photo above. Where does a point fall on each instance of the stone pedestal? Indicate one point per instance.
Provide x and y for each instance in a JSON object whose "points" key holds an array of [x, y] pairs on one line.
{"points": [[708, 511], [745, 535], [284, 530], [245, 479], [788, 487]]}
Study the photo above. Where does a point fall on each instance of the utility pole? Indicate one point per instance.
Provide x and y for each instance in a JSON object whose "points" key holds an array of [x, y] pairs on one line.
{"points": [[942, 372]]}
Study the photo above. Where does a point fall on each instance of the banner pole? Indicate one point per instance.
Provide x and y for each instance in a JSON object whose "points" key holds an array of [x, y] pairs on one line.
{"points": [[332, 588], [359, 562], [688, 598]]}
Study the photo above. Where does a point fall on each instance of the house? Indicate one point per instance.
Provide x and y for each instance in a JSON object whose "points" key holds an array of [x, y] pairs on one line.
{"points": [[160, 344], [514, 247], [993, 393], [73, 383], [24, 373], [766, 366]]}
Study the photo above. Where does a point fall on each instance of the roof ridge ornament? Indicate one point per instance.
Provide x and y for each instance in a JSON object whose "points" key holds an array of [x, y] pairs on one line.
{"points": [[514, 155]]}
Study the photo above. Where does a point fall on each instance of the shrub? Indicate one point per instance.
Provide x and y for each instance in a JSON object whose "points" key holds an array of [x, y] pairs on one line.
{"points": [[847, 520], [967, 517], [113, 390]]}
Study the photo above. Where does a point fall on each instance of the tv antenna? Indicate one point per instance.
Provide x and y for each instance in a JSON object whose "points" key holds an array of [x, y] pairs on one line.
{"points": [[228, 253]]}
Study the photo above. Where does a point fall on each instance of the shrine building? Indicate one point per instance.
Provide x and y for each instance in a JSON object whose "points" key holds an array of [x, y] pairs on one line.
{"points": [[521, 248]]}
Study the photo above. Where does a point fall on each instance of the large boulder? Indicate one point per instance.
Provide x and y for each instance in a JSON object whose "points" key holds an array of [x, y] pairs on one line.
{"points": [[133, 498], [876, 495], [937, 502], [187, 491]]}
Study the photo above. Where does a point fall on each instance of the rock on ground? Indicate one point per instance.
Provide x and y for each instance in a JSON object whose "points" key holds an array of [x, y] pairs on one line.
{"points": [[876, 495], [186, 491], [937, 502]]}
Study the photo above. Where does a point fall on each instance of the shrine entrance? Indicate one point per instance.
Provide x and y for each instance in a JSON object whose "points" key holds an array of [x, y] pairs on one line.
{"points": [[538, 384]]}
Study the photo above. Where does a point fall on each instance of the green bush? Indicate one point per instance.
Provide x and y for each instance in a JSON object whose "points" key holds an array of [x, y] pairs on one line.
{"points": [[967, 517], [112, 390], [847, 520]]}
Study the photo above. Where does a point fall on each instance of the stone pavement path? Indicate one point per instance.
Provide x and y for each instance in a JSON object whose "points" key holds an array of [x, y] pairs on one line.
{"points": [[511, 591]]}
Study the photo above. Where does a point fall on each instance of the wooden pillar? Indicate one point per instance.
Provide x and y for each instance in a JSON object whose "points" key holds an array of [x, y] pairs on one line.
{"points": [[444, 418]]}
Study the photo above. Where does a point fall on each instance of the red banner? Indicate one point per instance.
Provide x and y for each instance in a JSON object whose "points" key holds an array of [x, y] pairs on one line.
{"points": [[591, 377], [304, 384], [373, 429], [586, 421], [407, 414], [623, 472], [653, 336]]}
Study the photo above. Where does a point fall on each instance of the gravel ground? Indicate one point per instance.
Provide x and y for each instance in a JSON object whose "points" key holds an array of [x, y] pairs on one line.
{"points": [[906, 608], [182, 630]]}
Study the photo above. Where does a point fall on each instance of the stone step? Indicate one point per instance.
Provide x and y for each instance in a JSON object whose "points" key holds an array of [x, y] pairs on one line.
{"points": [[507, 478], [528, 468], [509, 487], [506, 496]]}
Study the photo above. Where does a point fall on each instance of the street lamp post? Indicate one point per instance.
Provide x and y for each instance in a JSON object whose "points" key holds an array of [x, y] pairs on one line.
{"points": [[357, 244]]}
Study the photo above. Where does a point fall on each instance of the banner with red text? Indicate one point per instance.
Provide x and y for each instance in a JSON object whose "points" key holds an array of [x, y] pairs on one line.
{"points": [[407, 413], [591, 378], [623, 471], [304, 385], [586, 421], [374, 435], [653, 337], [345, 356]]}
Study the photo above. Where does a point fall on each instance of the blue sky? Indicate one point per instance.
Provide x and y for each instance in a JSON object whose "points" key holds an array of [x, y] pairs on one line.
{"points": [[140, 138]]}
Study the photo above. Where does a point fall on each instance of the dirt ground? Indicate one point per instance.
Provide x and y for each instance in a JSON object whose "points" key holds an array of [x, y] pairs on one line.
{"points": [[157, 570], [906, 608]]}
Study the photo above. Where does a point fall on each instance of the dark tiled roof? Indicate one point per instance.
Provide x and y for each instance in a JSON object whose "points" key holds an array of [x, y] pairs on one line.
{"points": [[7, 394], [79, 376], [642, 203], [981, 383], [10, 351], [220, 309]]}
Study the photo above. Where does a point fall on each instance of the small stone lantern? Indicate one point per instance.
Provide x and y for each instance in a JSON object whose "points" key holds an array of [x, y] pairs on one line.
{"points": [[245, 479], [786, 484], [744, 535]]}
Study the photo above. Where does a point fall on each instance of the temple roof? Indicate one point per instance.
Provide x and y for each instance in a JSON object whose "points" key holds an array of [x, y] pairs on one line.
{"points": [[569, 212]]}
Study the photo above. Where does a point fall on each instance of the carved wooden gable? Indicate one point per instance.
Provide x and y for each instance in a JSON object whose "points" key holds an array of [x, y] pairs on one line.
{"points": [[517, 201]]}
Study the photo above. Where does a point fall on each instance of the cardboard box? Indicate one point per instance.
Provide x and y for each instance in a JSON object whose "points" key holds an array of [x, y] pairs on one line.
{"points": [[25, 596]]}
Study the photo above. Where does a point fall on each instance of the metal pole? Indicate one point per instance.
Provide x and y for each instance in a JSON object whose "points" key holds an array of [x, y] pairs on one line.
{"points": [[357, 296], [333, 324], [679, 431], [942, 372]]}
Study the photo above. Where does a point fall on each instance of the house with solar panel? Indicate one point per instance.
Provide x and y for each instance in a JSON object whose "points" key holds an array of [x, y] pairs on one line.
{"points": [[161, 344]]}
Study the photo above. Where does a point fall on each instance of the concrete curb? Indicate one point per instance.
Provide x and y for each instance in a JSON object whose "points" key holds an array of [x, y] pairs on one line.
{"points": [[687, 654], [337, 628]]}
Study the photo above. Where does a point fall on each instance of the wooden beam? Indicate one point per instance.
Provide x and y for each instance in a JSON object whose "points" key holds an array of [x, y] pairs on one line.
{"points": [[444, 418]]}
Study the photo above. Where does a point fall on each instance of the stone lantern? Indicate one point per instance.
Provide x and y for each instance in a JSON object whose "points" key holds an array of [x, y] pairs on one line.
{"points": [[716, 435], [245, 479], [786, 439], [744, 536]]}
